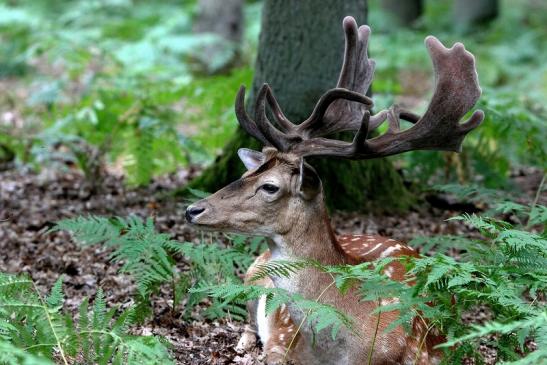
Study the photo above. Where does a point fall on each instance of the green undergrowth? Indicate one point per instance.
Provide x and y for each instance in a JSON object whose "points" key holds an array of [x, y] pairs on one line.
{"points": [[34, 329], [114, 89], [150, 259]]}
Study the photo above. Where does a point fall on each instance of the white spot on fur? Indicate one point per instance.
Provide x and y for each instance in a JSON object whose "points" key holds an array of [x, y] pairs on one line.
{"points": [[372, 249], [389, 271], [355, 239], [390, 250], [389, 301]]}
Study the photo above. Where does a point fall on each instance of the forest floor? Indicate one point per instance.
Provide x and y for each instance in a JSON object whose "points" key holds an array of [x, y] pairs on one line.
{"points": [[31, 203]]}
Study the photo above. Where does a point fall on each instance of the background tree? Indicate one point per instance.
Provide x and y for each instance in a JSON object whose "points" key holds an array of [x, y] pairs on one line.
{"points": [[223, 19], [404, 13], [470, 13], [300, 55]]}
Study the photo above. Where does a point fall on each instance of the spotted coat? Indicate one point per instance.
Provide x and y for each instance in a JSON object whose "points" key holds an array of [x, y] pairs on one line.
{"points": [[282, 334]]}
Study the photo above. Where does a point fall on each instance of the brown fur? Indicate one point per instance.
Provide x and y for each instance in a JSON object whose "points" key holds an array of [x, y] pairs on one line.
{"points": [[355, 247]]}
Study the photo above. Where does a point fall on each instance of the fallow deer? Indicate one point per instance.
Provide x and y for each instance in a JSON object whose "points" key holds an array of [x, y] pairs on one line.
{"points": [[280, 197]]}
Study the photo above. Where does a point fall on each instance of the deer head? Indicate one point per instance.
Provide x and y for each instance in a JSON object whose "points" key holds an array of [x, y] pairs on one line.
{"points": [[280, 190]]}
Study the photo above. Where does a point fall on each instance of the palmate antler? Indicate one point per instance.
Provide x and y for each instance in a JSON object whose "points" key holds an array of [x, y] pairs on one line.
{"points": [[346, 108]]}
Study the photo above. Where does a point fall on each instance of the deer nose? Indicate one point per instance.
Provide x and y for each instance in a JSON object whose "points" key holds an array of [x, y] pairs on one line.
{"points": [[192, 212]]}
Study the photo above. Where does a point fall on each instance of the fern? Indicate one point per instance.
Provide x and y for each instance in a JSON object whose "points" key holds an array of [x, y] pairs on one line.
{"points": [[472, 192], [209, 265], [318, 315], [149, 258], [505, 272], [137, 245], [525, 327], [441, 244], [13, 355], [282, 268], [36, 331]]}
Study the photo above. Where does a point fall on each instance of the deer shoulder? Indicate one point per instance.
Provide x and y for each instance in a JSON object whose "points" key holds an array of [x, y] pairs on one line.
{"points": [[362, 248]]}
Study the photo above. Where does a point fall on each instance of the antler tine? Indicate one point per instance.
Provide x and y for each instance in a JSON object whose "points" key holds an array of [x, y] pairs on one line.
{"points": [[314, 124], [362, 133], [357, 70], [285, 124], [278, 139], [355, 76], [331, 113], [244, 120], [456, 92]]}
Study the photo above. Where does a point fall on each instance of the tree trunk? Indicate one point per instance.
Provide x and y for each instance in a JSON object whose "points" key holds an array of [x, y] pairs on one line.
{"points": [[224, 19], [470, 13], [404, 13], [300, 54]]}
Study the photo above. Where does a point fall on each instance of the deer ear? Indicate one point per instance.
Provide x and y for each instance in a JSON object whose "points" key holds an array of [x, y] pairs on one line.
{"points": [[250, 158], [309, 184]]}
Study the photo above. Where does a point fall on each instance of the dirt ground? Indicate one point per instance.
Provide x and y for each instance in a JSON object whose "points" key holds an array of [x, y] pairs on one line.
{"points": [[31, 203]]}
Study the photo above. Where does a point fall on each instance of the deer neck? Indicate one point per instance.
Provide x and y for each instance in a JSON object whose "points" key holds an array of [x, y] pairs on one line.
{"points": [[310, 236]]}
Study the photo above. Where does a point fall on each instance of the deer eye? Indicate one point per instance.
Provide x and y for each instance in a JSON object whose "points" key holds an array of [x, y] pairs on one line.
{"points": [[269, 188]]}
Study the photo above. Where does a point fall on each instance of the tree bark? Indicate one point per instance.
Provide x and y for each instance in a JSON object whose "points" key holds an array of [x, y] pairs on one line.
{"points": [[300, 54], [223, 18], [404, 13], [470, 13]]}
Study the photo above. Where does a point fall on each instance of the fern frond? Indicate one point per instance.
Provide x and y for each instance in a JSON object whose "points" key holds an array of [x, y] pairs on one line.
{"points": [[538, 215], [282, 268], [37, 325], [13, 355], [538, 321], [89, 230], [486, 225], [56, 298], [319, 315]]}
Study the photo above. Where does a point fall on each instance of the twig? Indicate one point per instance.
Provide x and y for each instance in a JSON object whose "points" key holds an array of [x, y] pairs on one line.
{"points": [[424, 338], [374, 337], [305, 317]]}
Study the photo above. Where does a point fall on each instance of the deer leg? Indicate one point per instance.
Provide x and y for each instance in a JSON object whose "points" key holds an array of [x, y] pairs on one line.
{"points": [[277, 333], [418, 349], [248, 338]]}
